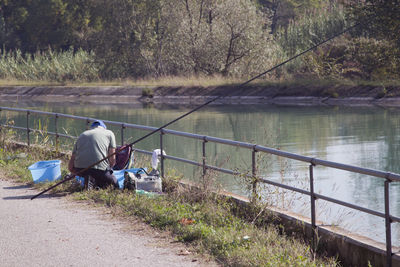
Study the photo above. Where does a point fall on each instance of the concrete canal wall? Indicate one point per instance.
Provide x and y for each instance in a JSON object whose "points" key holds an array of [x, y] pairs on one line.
{"points": [[351, 249], [278, 95]]}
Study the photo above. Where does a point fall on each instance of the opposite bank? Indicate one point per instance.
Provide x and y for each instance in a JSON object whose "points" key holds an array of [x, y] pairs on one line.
{"points": [[363, 95]]}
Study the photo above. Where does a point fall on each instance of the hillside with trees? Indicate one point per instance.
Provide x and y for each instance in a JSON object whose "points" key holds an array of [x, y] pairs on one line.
{"points": [[91, 40]]}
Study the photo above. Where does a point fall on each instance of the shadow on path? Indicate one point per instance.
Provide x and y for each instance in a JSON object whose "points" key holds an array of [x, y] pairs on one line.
{"points": [[17, 187], [48, 196], [29, 186]]}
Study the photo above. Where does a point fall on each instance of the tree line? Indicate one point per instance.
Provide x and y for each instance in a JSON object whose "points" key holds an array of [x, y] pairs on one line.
{"points": [[239, 38]]}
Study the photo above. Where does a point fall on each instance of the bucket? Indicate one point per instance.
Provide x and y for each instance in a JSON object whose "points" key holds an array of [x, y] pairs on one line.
{"points": [[45, 171]]}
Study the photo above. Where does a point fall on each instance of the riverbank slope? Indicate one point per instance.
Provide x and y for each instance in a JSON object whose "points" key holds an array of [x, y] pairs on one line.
{"points": [[250, 94]]}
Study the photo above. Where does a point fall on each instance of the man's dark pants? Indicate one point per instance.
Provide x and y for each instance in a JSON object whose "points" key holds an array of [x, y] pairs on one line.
{"points": [[103, 178]]}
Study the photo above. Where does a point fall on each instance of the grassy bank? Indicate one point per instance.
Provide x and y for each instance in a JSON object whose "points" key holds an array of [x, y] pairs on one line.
{"points": [[210, 224], [79, 68], [203, 81]]}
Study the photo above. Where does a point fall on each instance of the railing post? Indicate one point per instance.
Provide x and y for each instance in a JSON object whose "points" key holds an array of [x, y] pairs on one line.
{"points": [[204, 156], [87, 123], [1, 129], [313, 216], [56, 130], [162, 154], [388, 222], [27, 128], [254, 172], [1, 126], [122, 133]]}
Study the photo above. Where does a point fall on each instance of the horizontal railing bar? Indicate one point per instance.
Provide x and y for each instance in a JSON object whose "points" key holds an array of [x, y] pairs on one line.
{"points": [[356, 207], [298, 190], [192, 162], [14, 127], [142, 151], [229, 142], [210, 138], [314, 161], [62, 135], [58, 114], [25, 110], [283, 153], [66, 136], [349, 205], [372, 172], [47, 113], [40, 131], [394, 218], [134, 126], [227, 171], [195, 163], [184, 134]]}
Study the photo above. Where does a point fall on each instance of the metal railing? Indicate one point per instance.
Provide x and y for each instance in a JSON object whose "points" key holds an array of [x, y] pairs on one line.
{"points": [[388, 176]]}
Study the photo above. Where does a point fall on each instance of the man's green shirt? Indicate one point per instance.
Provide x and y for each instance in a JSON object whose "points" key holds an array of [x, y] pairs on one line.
{"points": [[92, 146]]}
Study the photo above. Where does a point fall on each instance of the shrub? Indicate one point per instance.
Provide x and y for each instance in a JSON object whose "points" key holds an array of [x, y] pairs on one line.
{"points": [[362, 58]]}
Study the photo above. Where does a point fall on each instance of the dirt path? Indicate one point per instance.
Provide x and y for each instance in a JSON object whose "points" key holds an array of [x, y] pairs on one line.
{"points": [[52, 231]]}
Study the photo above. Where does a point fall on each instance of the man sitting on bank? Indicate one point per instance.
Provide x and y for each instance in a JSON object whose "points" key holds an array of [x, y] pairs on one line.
{"points": [[92, 146]]}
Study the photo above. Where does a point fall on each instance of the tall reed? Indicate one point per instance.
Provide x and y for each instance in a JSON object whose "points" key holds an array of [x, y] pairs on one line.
{"points": [[311, 29], [51, 66]]}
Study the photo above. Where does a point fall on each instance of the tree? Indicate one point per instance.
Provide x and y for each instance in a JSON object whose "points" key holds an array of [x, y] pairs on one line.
{"points": [[215, 37], [380, 19], [139, 38], [40, 24], [126, 37], [281, 12]]}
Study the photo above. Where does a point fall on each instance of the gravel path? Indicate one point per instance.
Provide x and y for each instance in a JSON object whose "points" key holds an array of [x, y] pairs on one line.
{"points": [[52, 231]]}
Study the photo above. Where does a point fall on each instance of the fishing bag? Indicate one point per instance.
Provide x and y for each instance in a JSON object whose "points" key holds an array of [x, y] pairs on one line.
{"points": [[124, 157]]}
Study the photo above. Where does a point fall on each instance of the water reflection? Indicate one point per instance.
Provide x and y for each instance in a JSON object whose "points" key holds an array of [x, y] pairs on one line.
{"points": [[365, 137]]}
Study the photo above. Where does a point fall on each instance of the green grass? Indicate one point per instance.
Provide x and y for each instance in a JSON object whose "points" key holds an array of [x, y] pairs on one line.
{"points": [[210, 224], [163, 81], [204, 82]]}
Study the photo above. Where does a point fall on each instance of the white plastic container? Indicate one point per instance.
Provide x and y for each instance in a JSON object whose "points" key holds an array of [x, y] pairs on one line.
{"points": [[149, 183]]}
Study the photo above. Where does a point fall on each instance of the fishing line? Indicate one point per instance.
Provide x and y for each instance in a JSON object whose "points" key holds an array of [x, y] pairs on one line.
{"points": [[72, 176]]}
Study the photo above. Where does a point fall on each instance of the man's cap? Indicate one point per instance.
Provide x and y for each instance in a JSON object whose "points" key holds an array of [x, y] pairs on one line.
{"points": [[98, 123]]}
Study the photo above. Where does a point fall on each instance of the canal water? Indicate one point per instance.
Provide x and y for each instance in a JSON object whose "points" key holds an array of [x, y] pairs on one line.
{"points": [[361, 136]]}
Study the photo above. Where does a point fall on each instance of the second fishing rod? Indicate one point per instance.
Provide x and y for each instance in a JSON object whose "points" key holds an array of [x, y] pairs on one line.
{"points": [[72, 175]]}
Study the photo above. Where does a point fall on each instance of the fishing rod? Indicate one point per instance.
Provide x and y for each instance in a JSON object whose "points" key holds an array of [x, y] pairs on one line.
{"points": [[72, 175]]}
